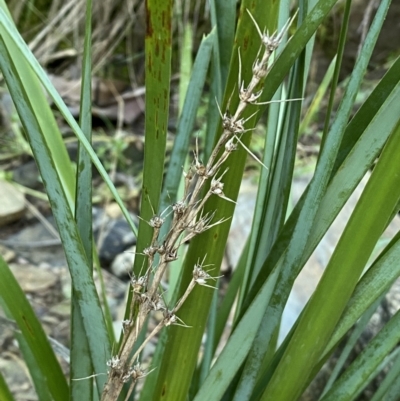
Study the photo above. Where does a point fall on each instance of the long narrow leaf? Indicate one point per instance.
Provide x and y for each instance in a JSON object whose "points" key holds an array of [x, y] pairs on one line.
{"points": [[158, 74], [338, 63], [389, 383], [13, 40], [5, 393], [236, 350], [341, 274], [274, 219], [298, 242], [25, 91], [183, 344], [33, 333], [371, 127], [81, 364], [187, 120], [380, 276], [352, 381], [350, 343]]}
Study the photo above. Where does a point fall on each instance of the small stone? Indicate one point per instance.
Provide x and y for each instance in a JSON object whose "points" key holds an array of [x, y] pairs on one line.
{"points": [[113, 210], [123, 263], [14, 371], [27, 174], [12, 203], [7, 254], [37, 245], [62, 309], [112, 236], [33, 279]]}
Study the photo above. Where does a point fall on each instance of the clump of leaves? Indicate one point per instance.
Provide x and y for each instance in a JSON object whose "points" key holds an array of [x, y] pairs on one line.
{"points": [[251, 365]]}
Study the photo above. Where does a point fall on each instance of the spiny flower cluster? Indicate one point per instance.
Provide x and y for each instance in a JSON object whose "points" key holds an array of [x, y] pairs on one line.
{"points": [[188, 221]]}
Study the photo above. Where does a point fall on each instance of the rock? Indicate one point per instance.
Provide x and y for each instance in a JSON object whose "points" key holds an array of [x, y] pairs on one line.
{"points": [[14, 371], [33, 279], [27, 174], [113, 210], [36, 244], [42, 284], [113, 236], [122, 264], [7, 254], [12, 203]]}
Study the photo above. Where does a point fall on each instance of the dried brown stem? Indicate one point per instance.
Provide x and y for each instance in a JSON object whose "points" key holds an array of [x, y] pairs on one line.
{"points": [[187, 216]]}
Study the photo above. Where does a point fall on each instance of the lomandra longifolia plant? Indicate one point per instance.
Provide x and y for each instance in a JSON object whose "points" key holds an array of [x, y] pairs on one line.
{"points": [[245, 63], [188, 221]]}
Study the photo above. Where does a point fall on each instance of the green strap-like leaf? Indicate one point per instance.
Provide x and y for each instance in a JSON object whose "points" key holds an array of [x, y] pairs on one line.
{"points": [[291, 258], [338, 63], [390, 383], [366, 224], [238, 346], [351, 343], [5, 393], [158, 79], [81, 364], [351, 171], [353, 380], [33, 333], [32, 109], [186, 122], [371, 127], [378, 279], [184, 343], [272, 223], [14, 41], [223, 15]]}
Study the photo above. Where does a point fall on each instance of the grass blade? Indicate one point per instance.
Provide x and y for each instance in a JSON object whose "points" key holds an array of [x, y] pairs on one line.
{"points": [[389, 383], [175, 384], [14, 41], [186, 122], [194, 313], [81, 364], [379, 277], [5, 393], [319, 95], [238, 346], [338, 279], [37, 121], [350, 343], [298, 242], [33, 333], [371, 127], [223, 15], [274, 219], [295, 46], [338, 63], [185, 68], [352, 381], [158, 78]]}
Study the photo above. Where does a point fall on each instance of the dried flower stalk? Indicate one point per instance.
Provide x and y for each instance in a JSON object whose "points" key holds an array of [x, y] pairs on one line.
{"points": [[188, 220]]}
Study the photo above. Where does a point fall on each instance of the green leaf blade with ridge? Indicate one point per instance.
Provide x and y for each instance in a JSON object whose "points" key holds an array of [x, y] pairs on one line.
{"points": [[41, 130], [33, 333]]}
